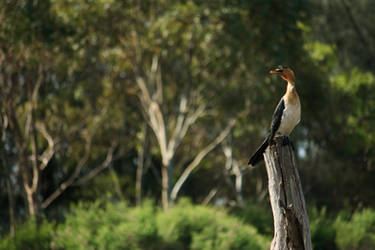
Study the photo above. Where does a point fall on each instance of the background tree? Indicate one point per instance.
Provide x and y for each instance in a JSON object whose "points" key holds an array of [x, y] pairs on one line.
{"points": [[131, 100]]}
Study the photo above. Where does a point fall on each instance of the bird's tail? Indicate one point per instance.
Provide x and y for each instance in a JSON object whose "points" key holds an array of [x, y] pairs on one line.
{"points": [[258, 155]]}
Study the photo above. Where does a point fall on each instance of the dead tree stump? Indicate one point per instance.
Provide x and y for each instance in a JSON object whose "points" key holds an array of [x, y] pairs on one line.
{"points": [[291, 224]]}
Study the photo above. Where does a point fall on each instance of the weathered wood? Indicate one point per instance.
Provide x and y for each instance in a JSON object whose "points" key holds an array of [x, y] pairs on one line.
{"points": [[291, 225]]}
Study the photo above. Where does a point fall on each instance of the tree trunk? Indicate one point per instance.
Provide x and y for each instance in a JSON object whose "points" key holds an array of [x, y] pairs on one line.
{"points": [[166, 185], [291, 225]]}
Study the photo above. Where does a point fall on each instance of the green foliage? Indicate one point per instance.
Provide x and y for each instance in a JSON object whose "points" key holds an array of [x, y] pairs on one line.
{"points": [[87, 56], [109, 226], [258, 216], [358, 233], [103, 225], [29, 236], [206, 228], [323, 232], [184, 226]]}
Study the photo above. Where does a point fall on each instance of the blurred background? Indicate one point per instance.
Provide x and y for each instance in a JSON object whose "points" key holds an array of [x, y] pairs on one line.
{"points": [[129, 124]]}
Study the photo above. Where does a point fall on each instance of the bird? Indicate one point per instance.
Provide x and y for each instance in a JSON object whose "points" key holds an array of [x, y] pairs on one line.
{"points": [[286, 116]]}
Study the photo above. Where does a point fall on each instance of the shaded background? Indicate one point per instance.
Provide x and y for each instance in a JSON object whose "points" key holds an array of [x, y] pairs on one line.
{"points": [[126, 101]]}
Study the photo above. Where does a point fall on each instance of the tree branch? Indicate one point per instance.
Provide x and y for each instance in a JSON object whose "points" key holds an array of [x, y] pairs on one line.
{"points": [[155, 117], [101, 167], [46, 156], [70, 180], [209, 197], [199, 157]]}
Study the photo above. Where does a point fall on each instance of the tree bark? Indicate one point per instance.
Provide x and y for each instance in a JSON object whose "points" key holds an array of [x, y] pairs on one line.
{"points": [[291, 225], [165, 185]]}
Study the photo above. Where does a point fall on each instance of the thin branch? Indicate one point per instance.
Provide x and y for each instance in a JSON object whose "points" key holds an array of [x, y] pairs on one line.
{"points": [[142, 86], [70, 180], [184, 121], [33, 101], [180, 118], [31, 126], [209, 197], [159, 87], [101, 167], [154, 78], [199, 157], [155, 117], [50, 151], [190, 120]]}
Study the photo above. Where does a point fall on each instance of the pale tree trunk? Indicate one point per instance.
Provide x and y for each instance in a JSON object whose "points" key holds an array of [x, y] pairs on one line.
{"points": [[170, 132], [233, 168], [291, 225], [165, 179]]}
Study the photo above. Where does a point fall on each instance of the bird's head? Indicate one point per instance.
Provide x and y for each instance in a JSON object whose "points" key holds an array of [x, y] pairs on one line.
{"points": [[285, 73]]}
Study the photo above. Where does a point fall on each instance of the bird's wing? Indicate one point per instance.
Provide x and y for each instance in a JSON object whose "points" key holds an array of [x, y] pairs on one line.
{"points": [[276, 118]]}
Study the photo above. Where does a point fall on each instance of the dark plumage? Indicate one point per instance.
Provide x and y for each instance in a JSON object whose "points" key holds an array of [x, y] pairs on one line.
{"points": [[276, 120], [286, 116]]}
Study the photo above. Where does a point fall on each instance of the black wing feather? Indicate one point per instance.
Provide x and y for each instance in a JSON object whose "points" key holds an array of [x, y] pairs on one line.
{"points": [[276, 118], [258, 155]]}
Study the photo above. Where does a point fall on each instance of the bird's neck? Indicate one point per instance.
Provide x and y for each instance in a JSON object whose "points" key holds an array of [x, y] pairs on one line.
{"points": [[291, 87], [291, 93]]}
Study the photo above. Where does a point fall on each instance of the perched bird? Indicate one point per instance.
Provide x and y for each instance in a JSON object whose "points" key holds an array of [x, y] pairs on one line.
{"points": [[286, 116]]}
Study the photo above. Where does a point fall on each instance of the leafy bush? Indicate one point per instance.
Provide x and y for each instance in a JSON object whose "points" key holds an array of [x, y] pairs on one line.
{"points": [[258, 216], [184, 226], [358, 233], [323, 231], [29, 237], [110, 226], [200, 227]]}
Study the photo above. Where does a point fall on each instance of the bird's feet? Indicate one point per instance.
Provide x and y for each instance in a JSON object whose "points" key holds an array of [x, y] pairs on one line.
{"points": [[286, 141]]}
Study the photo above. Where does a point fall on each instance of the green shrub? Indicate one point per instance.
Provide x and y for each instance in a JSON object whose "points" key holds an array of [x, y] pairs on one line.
{"points": [[323, 232], [29, 237], [258, 216], [358, 233], [184, 226], [200, 227], [110, 226]]}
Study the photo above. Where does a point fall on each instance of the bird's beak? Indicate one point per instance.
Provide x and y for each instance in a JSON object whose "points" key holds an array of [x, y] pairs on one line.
{"points": [[276, 71]]}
